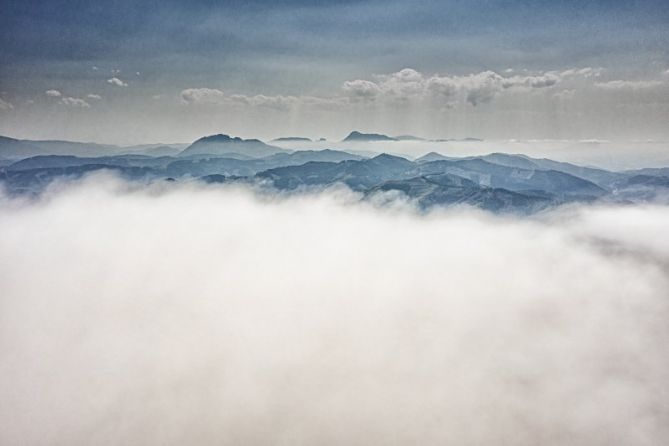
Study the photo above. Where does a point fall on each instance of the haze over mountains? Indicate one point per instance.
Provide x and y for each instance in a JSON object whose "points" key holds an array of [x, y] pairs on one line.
{"points": [[194, 283], [327, 223], [356, 136], [498, 182]]}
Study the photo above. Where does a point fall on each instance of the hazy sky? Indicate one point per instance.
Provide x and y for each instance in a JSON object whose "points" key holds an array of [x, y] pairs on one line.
{"points": [[128, 72]]}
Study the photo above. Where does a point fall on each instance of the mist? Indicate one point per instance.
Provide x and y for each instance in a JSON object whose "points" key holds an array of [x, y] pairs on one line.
{"points": [[615, 155], [192, 314]]}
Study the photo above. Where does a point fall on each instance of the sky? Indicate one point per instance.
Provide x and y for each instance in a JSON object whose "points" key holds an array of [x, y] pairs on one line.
{"points": [[130, 72]]}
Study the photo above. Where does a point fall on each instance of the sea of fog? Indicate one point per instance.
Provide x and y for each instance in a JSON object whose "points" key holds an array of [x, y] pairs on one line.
{"points": [[175, 314]]}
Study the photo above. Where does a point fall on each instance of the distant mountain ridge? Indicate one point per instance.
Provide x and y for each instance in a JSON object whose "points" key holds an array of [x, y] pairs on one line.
{"points": [[358, 136], [409, 138], [218, 145], [498, 182], [222, 144], [12, 148], [292, 139], [18, 148]]}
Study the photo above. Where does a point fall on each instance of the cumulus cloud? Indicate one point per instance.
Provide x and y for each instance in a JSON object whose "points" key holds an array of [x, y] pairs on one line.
{"points": [[71, 101], [95, 97], [4, 105], [406, 83], [482, 87], [202, 96], [442, 86], [75, 102], [361, 90], [409, 85], [540, 81], [117, 82], [475, 88], [586, 72], [313, 320]]}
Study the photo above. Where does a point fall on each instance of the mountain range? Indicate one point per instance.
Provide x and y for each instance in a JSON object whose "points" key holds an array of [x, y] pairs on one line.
{"points": [[497, 182]]}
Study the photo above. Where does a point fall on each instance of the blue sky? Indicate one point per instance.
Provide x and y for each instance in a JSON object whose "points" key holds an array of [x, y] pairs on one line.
{"points": [[158, 49]]}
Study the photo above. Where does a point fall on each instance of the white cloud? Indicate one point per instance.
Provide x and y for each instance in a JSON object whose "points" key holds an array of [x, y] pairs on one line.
{"points": [[404, 84], [230, 323], [475, 88], [539, 81], [116, 81], [202, 96], [277, 102], [409, 85], [481, 87], [361, 90], [442, 86], [53, 93], [586, 72], [628, 85], [4, 105], [75, 102], [93, 96]]}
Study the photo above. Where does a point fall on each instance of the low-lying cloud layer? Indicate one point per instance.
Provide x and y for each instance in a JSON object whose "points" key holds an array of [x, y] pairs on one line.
{"points": [[183, 314]]}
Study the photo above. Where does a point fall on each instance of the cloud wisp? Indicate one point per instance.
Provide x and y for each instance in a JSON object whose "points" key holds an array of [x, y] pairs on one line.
{"points": [[117, 82], [5, 105], [628, 85], [180, 314], [75, 102]]}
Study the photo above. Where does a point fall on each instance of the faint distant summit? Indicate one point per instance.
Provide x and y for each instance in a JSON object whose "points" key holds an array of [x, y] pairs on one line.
{"points": [[292, 139], [409, 138], [225, 144], [459, 140], [358, 136]]}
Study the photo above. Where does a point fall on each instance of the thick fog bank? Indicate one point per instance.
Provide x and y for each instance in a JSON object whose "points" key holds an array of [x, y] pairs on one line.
{"points": [[185, 314]]}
